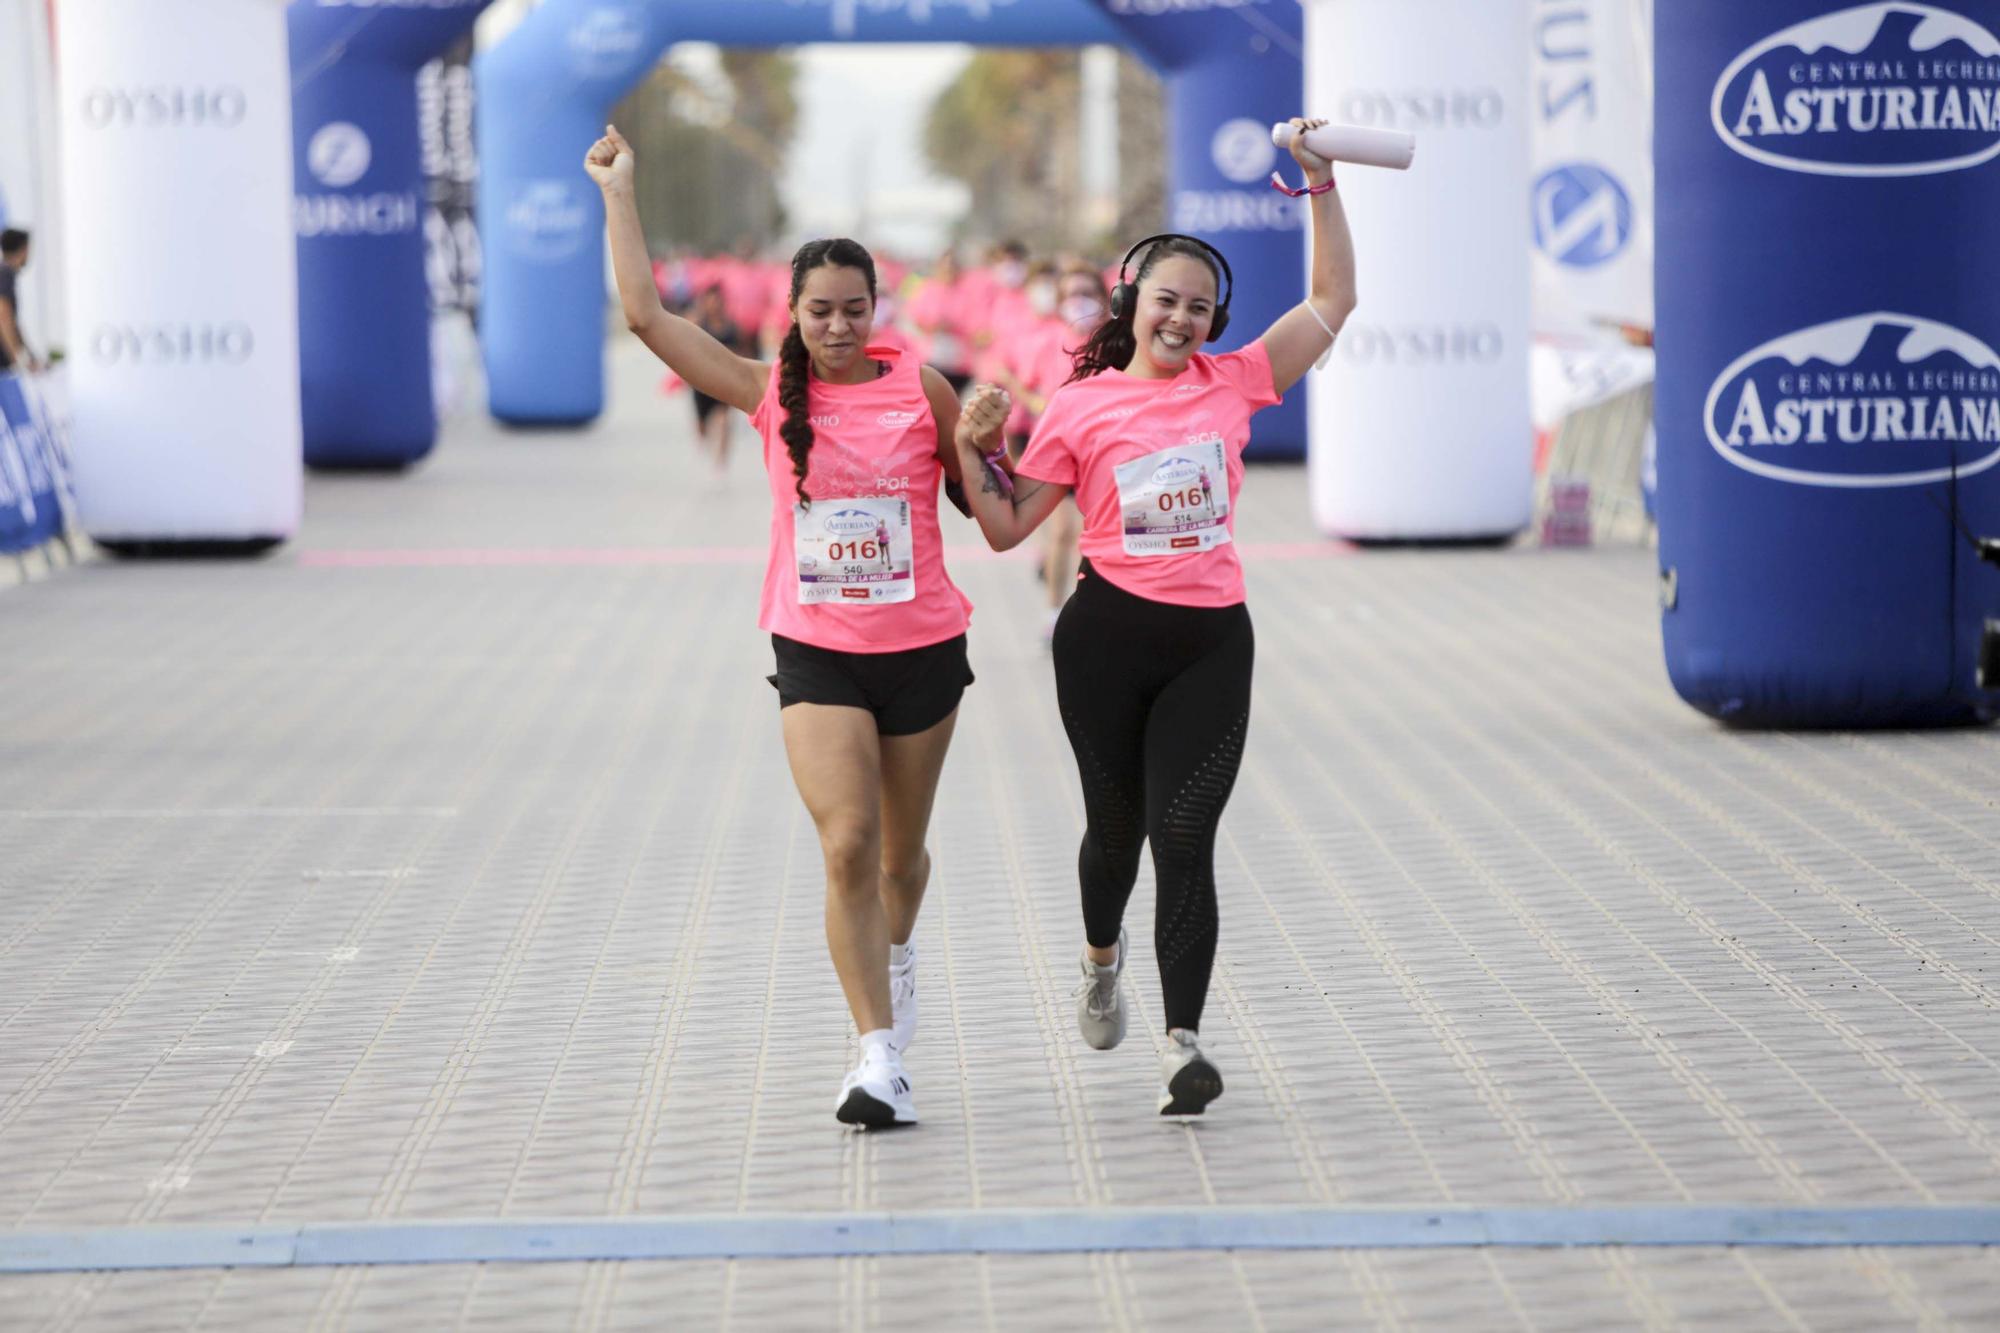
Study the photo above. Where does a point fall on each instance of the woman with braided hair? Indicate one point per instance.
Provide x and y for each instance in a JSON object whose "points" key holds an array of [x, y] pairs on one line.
{"points": [[867, 628]]}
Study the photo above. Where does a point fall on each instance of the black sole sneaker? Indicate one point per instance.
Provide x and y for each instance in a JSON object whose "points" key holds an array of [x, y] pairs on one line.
{"points": [[1191, 1087]]}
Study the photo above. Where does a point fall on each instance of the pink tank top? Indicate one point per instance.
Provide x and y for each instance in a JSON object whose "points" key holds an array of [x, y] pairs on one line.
{"points": [[862, 569]]}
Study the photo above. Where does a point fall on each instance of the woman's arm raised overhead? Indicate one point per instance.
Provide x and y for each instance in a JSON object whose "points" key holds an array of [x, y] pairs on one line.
{"points": [[1305, 333], [686, 348]]}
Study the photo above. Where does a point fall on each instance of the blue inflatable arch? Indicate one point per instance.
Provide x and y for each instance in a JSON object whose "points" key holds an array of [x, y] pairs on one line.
{"points": [[358, 208], [545, 90]]}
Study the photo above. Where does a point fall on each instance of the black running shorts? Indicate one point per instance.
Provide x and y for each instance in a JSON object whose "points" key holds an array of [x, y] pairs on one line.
{"points": [[908, 692]]}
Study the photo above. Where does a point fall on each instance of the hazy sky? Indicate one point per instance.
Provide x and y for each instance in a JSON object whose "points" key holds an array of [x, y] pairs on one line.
{"points": [[857, 165], [861, 119]]}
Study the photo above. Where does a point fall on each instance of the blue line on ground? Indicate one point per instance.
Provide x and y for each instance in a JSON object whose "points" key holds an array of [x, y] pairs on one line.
{"points": [[982, 1231]]}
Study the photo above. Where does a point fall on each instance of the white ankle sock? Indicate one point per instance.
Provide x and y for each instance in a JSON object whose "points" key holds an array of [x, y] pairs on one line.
{"points": [[881, 1040], [900, 954]]}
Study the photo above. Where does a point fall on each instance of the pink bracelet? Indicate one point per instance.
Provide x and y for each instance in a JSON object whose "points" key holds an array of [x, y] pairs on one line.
{"points": [[1278, 184], [999, 473]]}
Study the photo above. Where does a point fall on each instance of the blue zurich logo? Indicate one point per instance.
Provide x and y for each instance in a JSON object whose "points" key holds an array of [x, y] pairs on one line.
{"points": [[1894, 89], [1583, 215]]}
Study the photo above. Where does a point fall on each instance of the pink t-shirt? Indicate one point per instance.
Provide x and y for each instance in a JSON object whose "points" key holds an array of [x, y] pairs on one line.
{"points": [[1053, 362], [932, 309], [1156, 466], [862, 570]]}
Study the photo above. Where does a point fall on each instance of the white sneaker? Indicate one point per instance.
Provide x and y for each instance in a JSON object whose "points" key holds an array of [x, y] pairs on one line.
{"points": [[1188, 1082], [1100, 1003], [903, 999], [876, 1093]]}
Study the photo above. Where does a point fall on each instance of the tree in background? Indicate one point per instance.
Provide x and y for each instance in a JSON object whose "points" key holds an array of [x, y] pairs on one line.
{"points": [[1008, 129], [711, 151]]}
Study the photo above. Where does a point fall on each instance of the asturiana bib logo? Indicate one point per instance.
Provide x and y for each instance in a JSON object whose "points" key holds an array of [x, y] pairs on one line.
{"points": [[1176, 471], [1896, 89], [1874, 400], [896, 420], [851, 523]]}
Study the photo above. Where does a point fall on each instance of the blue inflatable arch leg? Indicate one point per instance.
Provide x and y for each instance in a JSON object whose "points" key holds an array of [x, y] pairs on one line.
{"points": [[358, 208]]}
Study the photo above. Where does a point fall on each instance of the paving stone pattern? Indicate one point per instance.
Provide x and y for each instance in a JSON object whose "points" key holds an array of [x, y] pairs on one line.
{"points": [[446, 865]]}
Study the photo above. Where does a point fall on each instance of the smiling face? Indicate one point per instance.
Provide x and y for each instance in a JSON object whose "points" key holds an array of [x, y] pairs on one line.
{"points": [[1175, 310], [835, 314]]}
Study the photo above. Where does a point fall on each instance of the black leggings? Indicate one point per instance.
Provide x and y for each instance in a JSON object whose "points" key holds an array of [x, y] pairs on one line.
{"points": [[1156, 700]]}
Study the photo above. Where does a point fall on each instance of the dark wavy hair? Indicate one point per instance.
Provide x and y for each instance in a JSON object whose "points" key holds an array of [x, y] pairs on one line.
{"points": [[1114, 343], [795, 363]]}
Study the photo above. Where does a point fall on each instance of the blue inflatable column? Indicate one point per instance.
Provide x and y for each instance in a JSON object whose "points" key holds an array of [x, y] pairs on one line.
{"points": [[1829, 394], [1220, 112], [359, 206], [1230, 76], [543, 95]]}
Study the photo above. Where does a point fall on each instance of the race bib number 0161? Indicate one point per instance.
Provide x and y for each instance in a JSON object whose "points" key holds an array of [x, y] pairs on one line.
{"points": [[1176, 501], [854, 551]]}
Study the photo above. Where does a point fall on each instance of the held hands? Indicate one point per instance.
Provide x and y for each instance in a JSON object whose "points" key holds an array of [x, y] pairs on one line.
{"points": [[610, 161], [1317, 168], [983, 417]]}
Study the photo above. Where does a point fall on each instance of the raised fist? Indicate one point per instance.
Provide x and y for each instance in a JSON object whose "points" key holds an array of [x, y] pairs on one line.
{"points": [[1304, 156], [610, 160]]}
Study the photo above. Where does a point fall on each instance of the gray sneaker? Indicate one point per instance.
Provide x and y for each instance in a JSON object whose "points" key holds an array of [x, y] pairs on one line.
{"points": [[1100, 1004], [1188, 1082]]}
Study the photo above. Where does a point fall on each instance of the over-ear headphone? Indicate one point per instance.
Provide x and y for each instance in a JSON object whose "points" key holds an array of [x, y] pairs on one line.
{"points": [[1125, 296]]}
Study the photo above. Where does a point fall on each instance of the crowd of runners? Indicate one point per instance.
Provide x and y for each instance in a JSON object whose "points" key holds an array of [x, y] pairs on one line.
{"points": [[1030, 395]]}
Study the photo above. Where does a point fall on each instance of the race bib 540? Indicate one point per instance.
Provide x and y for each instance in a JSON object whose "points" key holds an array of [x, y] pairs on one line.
{"points": [[854, 550]]}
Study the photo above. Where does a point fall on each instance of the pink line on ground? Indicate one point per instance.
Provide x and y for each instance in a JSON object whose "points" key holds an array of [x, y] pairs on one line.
{"points": [[632, 556], [529, 555]]}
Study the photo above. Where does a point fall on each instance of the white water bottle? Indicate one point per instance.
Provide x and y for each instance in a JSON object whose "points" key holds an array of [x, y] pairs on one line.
{"points": [[1394, 149]]}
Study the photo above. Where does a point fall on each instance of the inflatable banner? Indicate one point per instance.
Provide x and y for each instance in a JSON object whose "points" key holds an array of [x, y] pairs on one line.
{"points": [[32, 465], [359, 210], [1591, 114], [546, 88], [176, 160], [1231, 74], [1420, 426], [1829, 390]]}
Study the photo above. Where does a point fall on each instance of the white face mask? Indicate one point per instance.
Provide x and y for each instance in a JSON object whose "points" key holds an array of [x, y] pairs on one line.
{"points": [[1042, 298], [1082, 310]]}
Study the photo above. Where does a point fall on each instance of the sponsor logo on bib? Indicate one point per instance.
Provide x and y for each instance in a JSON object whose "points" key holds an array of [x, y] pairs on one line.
{"points": [[1176, 471], [895, 420], [1873, 400], [851, 523], [1895, 89]]}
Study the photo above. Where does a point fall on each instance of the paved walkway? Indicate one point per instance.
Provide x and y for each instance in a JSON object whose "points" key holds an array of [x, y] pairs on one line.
{"points": [[445, 866]]}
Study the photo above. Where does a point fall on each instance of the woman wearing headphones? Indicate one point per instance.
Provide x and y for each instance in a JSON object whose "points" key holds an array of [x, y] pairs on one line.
{"points": [[1153, 653]]}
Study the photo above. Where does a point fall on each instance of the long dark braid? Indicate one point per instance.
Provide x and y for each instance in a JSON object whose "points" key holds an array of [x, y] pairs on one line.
{"points": [[1114, 343], [795, 363]]}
